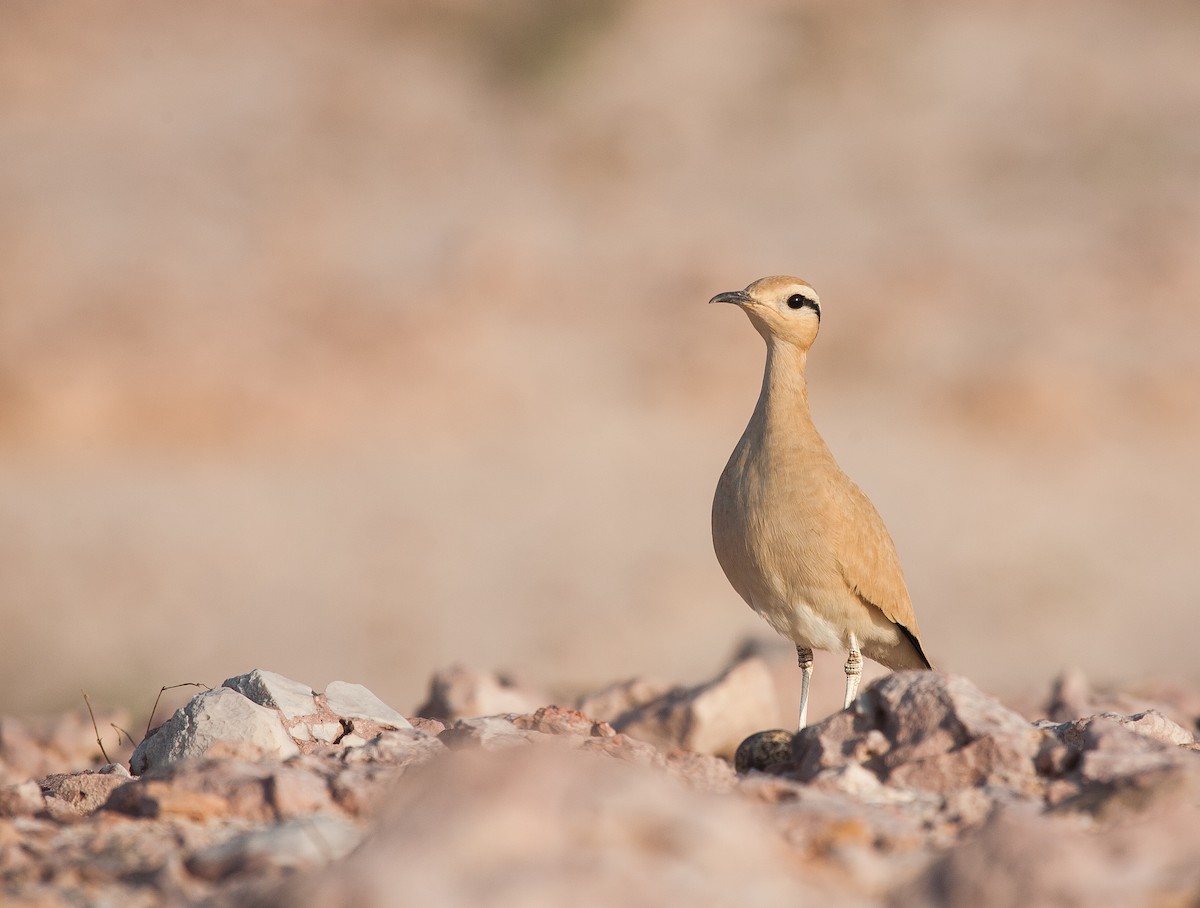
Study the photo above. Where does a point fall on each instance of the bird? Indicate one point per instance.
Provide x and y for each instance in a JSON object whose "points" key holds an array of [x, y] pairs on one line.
{"points": [[797, 539]]}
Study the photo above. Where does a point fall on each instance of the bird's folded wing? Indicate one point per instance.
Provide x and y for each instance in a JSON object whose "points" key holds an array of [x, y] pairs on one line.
{"points": [[868, 560]]}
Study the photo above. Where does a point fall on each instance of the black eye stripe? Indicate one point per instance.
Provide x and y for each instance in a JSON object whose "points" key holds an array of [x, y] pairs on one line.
{"points": [[800, 301]]}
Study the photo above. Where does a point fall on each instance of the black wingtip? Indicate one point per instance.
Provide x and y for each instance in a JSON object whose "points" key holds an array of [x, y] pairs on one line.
{"points": [[916, 644]]}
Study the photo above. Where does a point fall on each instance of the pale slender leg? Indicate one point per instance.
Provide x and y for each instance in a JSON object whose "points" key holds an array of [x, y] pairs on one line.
{"points": [[804, 657], [853, 671]]}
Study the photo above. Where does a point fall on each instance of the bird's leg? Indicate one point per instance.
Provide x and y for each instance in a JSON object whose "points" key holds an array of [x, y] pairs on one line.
{"points": [[853, 671], [804, 657]]}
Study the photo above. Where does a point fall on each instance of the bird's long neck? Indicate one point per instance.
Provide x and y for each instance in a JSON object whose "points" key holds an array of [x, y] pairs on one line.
{"points": [[783, 399]]}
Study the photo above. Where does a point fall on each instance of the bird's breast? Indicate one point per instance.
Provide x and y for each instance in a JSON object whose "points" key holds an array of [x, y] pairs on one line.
{"points": [[767, 526]]}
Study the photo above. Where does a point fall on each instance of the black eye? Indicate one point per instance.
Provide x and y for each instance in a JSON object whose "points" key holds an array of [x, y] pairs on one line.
{"points": [[798, 301]]}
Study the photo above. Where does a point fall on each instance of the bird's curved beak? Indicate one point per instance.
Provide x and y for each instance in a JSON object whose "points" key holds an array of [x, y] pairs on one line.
{"points": [[737, 297]]}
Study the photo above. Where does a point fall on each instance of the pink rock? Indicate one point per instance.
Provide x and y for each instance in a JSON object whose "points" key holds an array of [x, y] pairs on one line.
{"points": [[550, 826], [22, 800], [83, 792], [713, 718], [296, 791], [614, 702], [925, 730], [556, 720], [462, 693]]}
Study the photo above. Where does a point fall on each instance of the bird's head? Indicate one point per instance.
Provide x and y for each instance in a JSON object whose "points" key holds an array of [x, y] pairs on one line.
{"points": [[781, 309]]}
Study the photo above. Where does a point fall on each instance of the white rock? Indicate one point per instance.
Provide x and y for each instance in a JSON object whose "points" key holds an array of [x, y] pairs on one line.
{"points": [[325, 731], [1154, 725], [221, 716], [291, 698], [353, 701]]}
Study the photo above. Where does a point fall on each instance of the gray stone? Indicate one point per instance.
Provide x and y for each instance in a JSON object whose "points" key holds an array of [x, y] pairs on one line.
{"points": [[215, 717], [291, 698], [353, 701]]}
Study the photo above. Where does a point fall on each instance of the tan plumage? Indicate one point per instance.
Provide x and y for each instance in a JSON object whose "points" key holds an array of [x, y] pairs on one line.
{"points": [[797, 539]]}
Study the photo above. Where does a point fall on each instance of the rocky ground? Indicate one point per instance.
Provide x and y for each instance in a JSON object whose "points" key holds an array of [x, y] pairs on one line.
{"points": [[926, 791]]}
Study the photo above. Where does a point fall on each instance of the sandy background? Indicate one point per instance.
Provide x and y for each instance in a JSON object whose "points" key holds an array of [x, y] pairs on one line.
{"points": [[351, 340]]}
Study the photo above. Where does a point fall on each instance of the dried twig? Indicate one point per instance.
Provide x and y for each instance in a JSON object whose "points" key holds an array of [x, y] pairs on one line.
{"points": [[103, 752], [161, 691]]}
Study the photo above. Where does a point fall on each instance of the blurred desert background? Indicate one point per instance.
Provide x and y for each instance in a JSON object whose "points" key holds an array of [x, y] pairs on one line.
{"points": [[355, 340]]}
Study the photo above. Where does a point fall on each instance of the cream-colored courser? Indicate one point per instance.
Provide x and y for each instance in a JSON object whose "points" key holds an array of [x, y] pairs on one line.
{"points": [[798, 540]]}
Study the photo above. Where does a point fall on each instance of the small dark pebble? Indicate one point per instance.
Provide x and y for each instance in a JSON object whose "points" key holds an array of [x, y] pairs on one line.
{"points": [[764, 750]]}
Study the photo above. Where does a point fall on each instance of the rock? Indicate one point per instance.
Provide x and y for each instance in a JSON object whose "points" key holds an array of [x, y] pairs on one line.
{"points": [[1072, 697], [401, 748], [626, 749], [488, 732], [1021, 858], [556, 720], [1018, 859], [616, 701], [83, 792], [35, 748], [1150, 724], [202, 789], [292, 698], [713, 718], [764, 751], [431, 727], [346, 714], [558, 827], [925, 730], [926, 791], [155, 799], [1112, 748], [220, 717], [21, 800], [353, 701], [461, 693], [294, 843], [298, 791], [702, 772], [327, 732], [1154, 725]]}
